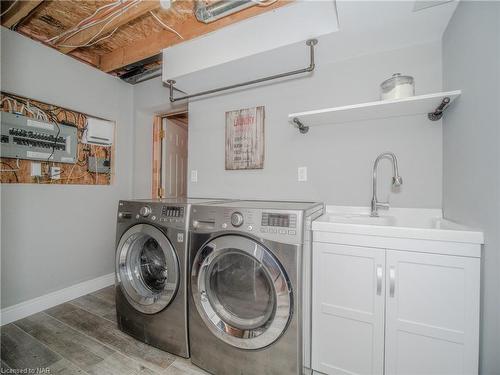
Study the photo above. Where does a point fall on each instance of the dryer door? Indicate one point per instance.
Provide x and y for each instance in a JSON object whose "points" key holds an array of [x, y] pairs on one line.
{"points": [[147, 268], [241, 291]]}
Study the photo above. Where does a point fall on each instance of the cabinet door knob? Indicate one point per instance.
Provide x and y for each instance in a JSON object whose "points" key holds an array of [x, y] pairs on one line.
{"points": [[392, 281], [379, 279]]}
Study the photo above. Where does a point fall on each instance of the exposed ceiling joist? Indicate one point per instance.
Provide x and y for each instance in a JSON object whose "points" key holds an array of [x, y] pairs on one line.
{"points": [[19, 10], [84, 36], [190, 28], [121, 37]]}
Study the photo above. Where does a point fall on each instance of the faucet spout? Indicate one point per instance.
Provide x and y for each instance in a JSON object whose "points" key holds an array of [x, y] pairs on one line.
{"points": [[397, 180]]}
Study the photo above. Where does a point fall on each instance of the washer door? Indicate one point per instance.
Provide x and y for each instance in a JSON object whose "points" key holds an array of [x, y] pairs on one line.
{"points": [[147, 268], [241, 292]]}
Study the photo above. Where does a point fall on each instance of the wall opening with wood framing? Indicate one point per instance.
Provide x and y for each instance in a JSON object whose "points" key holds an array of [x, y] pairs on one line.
{"points": [[92, 163], [170, 147]]}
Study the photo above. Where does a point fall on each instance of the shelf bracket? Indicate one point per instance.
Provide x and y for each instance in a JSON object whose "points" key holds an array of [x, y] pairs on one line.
{"points": [[438, 113], [303, 129], [310, 43]]}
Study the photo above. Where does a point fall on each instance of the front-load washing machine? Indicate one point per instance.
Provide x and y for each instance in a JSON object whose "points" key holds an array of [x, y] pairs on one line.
{"points": [[249, 304], [151, 272]]}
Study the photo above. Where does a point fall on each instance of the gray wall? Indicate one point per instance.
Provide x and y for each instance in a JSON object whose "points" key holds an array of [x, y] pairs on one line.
{"points": [[54, 236], [471, 149], [339, 157], [150, 98]]}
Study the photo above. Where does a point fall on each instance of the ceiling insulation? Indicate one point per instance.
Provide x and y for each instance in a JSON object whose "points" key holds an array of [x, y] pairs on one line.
{"points": [[138, 39]]}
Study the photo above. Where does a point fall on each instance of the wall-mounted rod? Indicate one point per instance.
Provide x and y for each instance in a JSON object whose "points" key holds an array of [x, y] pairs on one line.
{"points": [[311, 43]]}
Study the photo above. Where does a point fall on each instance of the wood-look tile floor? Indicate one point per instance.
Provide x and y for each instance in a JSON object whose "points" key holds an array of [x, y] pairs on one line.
{"points": [[81, 337]]}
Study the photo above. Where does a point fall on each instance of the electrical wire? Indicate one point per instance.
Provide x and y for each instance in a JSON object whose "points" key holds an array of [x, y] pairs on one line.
{"points": [[9, 8], [90, 44], [76, 28], [107, 20], [165, 26], [10, 170]]}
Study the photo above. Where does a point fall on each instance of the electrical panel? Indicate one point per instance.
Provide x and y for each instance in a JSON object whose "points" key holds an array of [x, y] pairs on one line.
{"points": [[27, 138], [98, 132]]}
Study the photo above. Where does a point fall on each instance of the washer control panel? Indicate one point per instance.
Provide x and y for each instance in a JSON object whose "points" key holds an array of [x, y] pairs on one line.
{"points": [[172, 211], [145, 211], [237, 219], [152, 212]]}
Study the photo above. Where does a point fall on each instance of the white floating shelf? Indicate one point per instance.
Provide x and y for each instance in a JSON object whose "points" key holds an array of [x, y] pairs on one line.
{"points": [[420, 104]]}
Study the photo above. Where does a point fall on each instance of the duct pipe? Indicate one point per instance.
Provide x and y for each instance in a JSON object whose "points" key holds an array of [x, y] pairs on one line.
{"points": [[210, 13]]}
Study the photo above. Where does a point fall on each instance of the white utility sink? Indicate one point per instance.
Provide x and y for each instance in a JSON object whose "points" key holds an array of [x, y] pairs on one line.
{"points": [[364, 219], [395, 222]]}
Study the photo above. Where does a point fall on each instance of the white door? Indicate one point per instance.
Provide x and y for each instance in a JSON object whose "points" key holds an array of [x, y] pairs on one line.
{"points": [[432, 314], [348, 309], [175, 151]]}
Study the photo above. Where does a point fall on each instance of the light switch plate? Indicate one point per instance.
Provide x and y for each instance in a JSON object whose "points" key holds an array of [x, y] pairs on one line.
{"points": [[36, 169], [194, 175], [302, 174]]}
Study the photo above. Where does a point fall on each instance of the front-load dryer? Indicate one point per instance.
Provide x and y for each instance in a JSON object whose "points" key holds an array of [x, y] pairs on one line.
{"points": [[151, 272], [249, 301]]}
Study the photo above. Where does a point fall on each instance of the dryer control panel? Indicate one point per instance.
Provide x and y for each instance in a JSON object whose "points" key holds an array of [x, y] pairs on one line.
{"points": [[276, 225]]}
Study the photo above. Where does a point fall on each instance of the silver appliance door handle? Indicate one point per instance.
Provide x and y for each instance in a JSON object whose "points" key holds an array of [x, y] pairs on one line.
{"points": [[392, 281], [379, 279]]}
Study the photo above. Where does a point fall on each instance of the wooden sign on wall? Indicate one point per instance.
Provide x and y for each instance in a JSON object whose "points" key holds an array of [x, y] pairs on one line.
{"points": [[245, 138]]}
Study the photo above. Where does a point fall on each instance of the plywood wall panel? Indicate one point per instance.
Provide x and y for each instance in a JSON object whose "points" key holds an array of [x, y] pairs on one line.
{"points": [[19, 171]]}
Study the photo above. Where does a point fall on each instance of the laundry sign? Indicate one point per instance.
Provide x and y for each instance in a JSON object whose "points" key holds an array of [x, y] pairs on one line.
{"points": [[245, 138]]}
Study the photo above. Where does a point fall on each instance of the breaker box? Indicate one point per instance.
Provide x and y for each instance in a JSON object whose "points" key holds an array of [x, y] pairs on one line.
{"points": [[27, 138]]}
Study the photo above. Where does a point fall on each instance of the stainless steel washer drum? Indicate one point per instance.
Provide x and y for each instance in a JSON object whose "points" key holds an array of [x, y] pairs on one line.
{"points": [[241, 291]]}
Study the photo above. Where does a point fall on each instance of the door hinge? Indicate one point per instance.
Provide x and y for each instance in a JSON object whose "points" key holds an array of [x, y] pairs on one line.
{"points": [[161, 192], [162, 134]]}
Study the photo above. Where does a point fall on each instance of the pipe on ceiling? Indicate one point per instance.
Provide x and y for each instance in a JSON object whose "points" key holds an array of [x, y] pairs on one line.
{"points": [[210, 13]]}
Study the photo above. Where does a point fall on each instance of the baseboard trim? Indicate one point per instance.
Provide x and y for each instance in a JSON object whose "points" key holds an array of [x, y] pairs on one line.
{"points": [[22, 310]]}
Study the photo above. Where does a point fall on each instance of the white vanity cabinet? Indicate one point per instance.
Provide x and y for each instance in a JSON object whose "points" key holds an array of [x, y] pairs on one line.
{"points": [[348, 309], [394, 306]]}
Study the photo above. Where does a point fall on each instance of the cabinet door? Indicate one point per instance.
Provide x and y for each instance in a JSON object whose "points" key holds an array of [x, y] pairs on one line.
{"points": [[432, 314], [348, 309]]}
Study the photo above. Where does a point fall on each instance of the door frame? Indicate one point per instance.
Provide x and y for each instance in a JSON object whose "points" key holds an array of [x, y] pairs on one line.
{"points": [[158, 191]]}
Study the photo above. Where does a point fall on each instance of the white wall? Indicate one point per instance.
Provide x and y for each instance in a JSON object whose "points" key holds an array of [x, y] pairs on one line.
{"points": [[471, 149], [339, 157], [54, 236]]}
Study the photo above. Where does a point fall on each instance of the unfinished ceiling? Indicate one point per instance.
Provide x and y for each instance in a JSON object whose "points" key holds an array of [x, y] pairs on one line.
{"points": [[123, 38]]}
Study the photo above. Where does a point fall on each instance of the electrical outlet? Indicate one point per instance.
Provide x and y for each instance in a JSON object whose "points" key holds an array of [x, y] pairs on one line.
{"points": [[194, 175], [302, 174], [55, 173], [36, 169]]}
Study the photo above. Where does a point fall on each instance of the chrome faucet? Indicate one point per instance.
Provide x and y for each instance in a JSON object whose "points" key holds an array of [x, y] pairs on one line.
{"points": [[397, 180]]}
